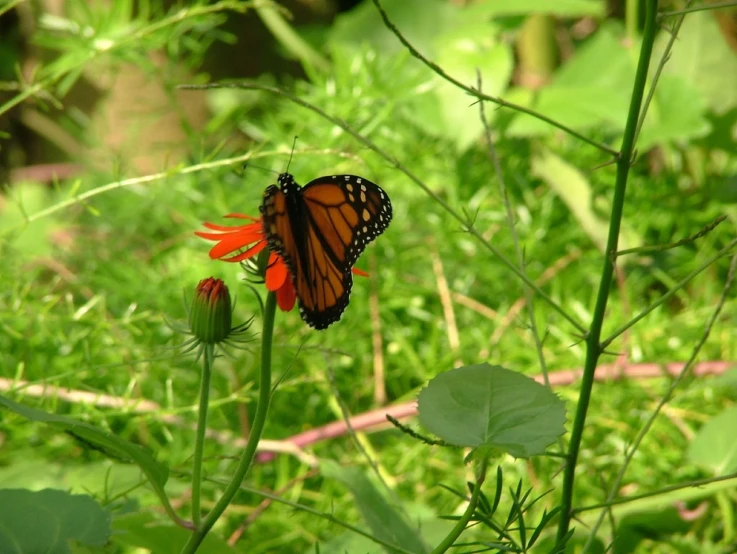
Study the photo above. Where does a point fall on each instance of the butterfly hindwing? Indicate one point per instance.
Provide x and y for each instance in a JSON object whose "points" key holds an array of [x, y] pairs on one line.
{"points": [[319, 231]]}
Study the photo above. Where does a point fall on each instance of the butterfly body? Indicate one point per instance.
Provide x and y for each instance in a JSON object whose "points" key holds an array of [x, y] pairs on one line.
{"points": [[320, 230]]}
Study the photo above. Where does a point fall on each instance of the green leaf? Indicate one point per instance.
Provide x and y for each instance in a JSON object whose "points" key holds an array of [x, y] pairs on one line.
{"points": [[561, 8], [714, 446], [655, 525], [419, 21], [472, 45], [108, 443], [575, 190], [490, 406], [46, 520], [144, 531], [385, 522], [702, 58], [591, 90], [677, 113]]}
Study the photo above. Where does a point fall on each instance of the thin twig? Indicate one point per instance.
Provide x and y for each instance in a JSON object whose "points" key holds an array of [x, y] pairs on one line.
{"points": [[511, 223], [478, 94], [701, 8], [661, 247]]}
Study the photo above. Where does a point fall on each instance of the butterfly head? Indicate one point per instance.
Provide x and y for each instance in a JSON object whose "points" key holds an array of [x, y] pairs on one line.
{"points": [[287, 184]]}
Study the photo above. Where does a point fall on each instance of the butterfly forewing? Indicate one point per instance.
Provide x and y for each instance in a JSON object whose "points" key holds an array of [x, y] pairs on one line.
{"points": [[319, 231]]}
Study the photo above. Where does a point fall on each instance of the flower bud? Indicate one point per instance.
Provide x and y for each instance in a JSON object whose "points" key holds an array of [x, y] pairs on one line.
{"points": [[210, 316]]}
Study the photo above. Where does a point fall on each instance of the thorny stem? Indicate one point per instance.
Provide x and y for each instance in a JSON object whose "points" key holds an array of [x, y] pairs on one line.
{"points": [[593, 346]]}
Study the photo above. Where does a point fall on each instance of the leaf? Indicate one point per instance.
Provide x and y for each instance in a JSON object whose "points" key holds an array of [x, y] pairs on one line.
{"points": [[46, 520], [575, 190], [385, 522], [470, 46], [702, 58], [108, 443], [592, 90], [714, 446], [419, 21], [490, 406], [144, 531], [561, 8], [655, 525], [677, 113]]}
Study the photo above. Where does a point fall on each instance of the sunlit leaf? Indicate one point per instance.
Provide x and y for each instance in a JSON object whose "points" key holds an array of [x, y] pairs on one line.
{"points": [[385, 521], [490, 406], [714, 446]]}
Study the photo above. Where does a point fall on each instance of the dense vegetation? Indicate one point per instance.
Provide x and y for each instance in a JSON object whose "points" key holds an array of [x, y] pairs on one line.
{"points": [[512, 140]]}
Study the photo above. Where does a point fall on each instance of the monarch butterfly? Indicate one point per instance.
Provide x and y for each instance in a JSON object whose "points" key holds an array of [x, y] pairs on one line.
{"points": [[320, 230]]}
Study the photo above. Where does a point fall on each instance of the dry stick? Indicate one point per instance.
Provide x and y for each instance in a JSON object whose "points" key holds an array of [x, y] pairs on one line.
{"points": [[376, 342], [462, 219], [454, 337], [666, 397], [478, 94], [529, 297]]}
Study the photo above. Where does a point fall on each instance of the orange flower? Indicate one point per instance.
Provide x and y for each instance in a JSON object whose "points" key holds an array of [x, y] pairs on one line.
{"points": [[251, 236]]}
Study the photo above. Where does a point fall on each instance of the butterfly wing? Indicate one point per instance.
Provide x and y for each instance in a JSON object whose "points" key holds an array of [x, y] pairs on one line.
{"points": [[319, 231]]}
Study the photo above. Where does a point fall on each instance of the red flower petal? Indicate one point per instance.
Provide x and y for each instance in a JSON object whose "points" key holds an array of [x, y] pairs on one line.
{"points": [[286, 297], [276, 273]]}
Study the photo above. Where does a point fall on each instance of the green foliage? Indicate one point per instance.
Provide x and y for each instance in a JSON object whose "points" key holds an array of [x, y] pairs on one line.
{"points": [[48, 520], [493, 407], [93, 268], [386, 522], [714, 448]]}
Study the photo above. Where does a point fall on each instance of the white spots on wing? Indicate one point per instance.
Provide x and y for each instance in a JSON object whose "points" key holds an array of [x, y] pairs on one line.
{"points": [[348, 187], [365, 229], [351, 198], [363, 196], [363, 188]]}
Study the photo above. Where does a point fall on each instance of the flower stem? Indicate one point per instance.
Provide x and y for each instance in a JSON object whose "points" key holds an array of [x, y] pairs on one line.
{"points": [[200, 439], [460, 525], [593, 344], [256, 430]]}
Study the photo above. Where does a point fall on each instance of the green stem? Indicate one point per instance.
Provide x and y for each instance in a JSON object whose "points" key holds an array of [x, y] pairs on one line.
{"points": [[593, 346], [259, 421], [199, 445], [460, 525]]}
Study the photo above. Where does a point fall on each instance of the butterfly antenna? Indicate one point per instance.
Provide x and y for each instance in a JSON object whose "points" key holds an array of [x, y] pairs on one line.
{"points": [[248, 164], [294, 144]]}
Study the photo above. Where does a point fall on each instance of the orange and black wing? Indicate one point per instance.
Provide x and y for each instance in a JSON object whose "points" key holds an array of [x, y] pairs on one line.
{"points": [[320, 233]]}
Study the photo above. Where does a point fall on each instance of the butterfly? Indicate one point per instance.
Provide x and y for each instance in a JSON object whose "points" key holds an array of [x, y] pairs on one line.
{"points": [[319, 230]]}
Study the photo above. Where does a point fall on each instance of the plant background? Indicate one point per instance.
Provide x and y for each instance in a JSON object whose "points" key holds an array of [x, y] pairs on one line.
{"points": [[92, 89]]}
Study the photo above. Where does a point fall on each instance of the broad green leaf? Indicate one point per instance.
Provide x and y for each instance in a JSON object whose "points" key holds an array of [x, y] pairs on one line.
{"points": [[385, 522], [471, 46], [561, 8], [714, 446], [144, 531], [654, 525], [490, 406], [677, 113], [47, 520], [575, 190], [592, 90], [108, 443], [702, 58], [419, 21]]}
